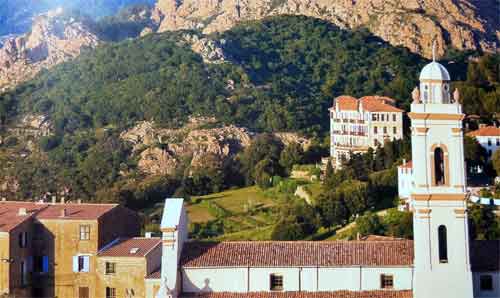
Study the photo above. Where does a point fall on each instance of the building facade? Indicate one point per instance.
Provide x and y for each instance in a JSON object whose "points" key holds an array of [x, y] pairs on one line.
{"points": [[358, 124], [488, 137], [50, 250]]}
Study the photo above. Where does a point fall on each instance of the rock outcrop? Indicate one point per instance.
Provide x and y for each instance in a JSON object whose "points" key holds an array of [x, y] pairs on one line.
{"points": [[54, 38], [461, 24], [163, 150]]}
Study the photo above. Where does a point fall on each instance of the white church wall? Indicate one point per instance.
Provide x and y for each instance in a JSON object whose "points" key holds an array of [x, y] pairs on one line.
{"points": [[495, 293], [335, 279], [371, 278], [260, 278], [214, 280]]}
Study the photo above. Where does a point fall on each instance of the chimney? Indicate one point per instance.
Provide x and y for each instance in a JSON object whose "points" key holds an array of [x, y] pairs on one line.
{"points": [[79, 201], [482, 125], [4, 200], [62, 199], [149, 235], [22, 212], [54, 200], [64, 212]]}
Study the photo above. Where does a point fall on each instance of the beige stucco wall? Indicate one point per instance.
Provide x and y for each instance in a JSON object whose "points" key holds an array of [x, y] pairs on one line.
{"points": [[130, 274]]}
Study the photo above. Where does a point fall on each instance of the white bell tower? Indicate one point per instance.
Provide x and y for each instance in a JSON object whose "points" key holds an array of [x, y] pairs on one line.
{"points": [[442, 267]]}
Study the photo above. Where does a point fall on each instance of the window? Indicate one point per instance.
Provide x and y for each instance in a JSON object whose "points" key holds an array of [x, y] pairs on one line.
{"points": [[394, 130], [498, 142], [83, 292], [383, 117], [375, 130], [394, 117], [489, 142], [84, 232], [385, 130], [439, 167], [24, 273], [110, 292], [81, 263], [276, 282], [443, 245], [129, 292], [23, 239], [374, 117], [486, 282], [386, 281], [110, 268], [41, 264]]}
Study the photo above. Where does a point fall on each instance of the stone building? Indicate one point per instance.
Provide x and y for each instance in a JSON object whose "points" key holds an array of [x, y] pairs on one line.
{"points": [[51, 250], [358, 124]]}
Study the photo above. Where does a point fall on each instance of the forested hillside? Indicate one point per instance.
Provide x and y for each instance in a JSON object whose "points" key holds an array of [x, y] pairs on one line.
{"points": [[286, 71], [279, 74]]}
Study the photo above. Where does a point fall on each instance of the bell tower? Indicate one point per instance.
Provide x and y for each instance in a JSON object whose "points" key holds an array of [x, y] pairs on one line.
{"points": [[442, 266]]}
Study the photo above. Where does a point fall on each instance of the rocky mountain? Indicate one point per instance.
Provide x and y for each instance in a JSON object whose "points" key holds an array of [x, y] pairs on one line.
{"points": [[54, 38], [16, 16], [461, 24]]}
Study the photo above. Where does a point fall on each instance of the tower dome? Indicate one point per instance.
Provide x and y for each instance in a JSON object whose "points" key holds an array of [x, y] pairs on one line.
{"points": [[434, 71]]}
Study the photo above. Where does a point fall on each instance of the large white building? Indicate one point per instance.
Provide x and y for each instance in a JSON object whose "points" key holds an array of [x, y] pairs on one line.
{"points": [[488, 137], [441, 261], [358, 124]]}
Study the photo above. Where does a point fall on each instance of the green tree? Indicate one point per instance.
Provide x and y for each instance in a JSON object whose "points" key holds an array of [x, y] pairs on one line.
{"points": [[369, 224], [291, 155], [495, 160], [484, 223], [398, 224]]}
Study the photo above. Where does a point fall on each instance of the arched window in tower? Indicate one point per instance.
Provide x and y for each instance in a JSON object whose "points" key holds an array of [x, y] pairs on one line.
{"points": [[443, 245], [439, 174]]}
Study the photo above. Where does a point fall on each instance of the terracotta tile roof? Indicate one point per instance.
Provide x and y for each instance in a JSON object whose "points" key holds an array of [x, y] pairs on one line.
{"points": [[155, 274], [336, 294], [76, 211], [300, 253], [130, 247], [485, 255], [10, 218], [369, 103], [347, 103], [379, 104], [488, 131], [9, 213], [408, 165]]}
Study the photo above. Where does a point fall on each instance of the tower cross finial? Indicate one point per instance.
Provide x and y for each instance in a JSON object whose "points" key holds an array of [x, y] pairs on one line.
{"points": [[434, 44]]}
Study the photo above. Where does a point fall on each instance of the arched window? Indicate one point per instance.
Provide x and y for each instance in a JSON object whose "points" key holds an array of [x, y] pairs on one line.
{"points": [[443, 245], [439, 174]]}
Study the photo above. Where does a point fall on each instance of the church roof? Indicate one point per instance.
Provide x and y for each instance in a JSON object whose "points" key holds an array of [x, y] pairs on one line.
{"points": [[488, 131], [335, 294], [298, 254], [434, 71]]}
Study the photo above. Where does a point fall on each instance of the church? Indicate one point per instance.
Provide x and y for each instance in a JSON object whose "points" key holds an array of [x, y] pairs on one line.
{"points": [[441, 261]]}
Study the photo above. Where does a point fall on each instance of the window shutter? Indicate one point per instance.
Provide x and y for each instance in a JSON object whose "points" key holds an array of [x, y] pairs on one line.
{"points": [[75, 263], [86, 264], [45, 265], [30, 264]]}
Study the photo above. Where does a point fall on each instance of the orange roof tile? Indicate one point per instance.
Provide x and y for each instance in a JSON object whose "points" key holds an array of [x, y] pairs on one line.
{"points": [[76, 211], [131, 247], [379, 104], [408, 165], [9, 213], [155, 274], [297, 254], [336, 294], [488, 131], [347, 103]]}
